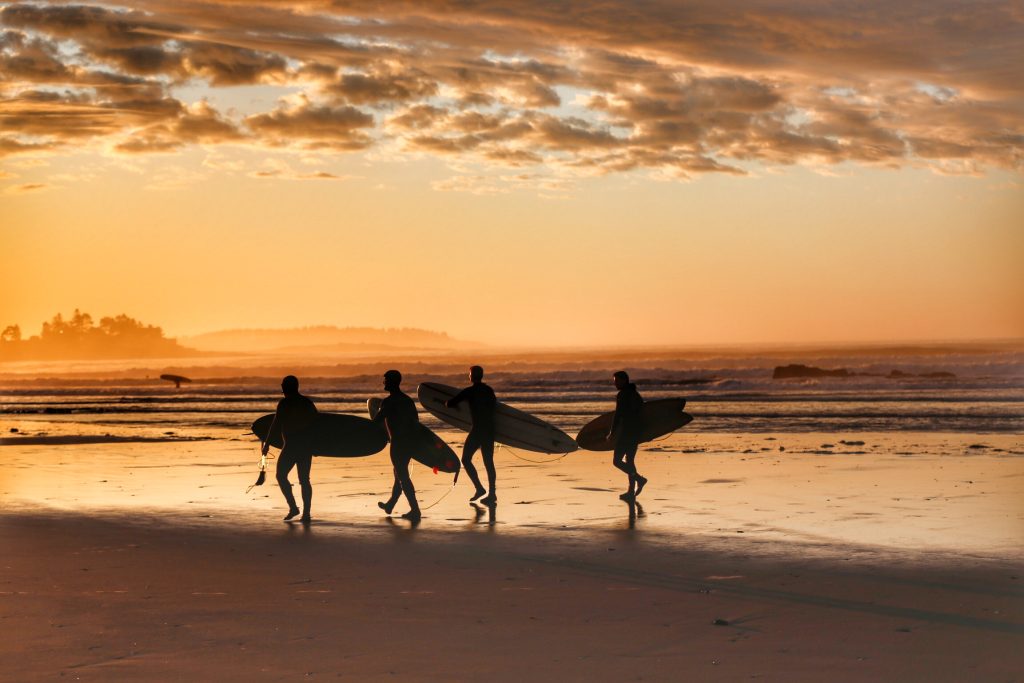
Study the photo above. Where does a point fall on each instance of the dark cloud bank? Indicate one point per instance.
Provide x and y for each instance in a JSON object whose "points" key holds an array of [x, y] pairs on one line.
{"points": [[681, 88]]}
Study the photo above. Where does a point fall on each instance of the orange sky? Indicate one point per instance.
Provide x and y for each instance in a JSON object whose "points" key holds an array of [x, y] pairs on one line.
{"points": [[688, 176]]}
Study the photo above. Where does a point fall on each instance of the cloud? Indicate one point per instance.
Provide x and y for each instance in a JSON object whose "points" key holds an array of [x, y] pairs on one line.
{"points": [[198, 124], [136, 44], [677, 89], [319, 175], [313, 126], [229, 65], [279, 169], [361, 88], [25, 188], [481, 184], [10, 145]]}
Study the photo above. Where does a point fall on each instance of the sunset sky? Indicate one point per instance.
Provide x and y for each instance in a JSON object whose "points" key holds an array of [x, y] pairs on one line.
{"points": [[521, 172]]}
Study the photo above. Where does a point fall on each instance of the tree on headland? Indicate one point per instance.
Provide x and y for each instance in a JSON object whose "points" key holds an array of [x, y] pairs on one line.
{"points": [[79, 337]]}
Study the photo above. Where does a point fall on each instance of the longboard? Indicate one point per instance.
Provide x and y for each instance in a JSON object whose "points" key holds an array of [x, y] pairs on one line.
{"points": [[511, 427], [429, 449], [332, 434], [660, 417]]}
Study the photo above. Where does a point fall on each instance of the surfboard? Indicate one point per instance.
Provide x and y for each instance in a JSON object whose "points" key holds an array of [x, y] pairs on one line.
{"points": [[511, 427], [430, 449], [333, 435], [660, 417], [177, 379]]}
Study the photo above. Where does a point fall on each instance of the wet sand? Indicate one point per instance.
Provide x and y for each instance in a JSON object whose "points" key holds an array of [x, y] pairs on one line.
{"points": [[147, 561]]}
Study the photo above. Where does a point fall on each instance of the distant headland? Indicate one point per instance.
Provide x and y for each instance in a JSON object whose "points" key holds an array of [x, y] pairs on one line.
{"points": [[79, 337]]}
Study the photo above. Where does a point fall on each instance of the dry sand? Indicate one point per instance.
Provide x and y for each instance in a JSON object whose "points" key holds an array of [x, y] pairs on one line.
{"points": [[899, 559]]}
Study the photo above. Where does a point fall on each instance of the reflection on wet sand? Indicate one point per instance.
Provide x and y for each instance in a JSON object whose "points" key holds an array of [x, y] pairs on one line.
{"points": [[943, 497]]}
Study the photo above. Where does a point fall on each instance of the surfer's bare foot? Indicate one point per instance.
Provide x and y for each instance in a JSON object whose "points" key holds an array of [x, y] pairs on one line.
{"points": [[412, 515], [386, 507], [291, 514], [489, 500], [479, 492], [627, 496], [640, 483]]}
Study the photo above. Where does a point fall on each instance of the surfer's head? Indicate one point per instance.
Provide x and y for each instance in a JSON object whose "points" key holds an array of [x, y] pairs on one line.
{"points": [[392, 380], [290, 385], [621, 379], [476, 373]]}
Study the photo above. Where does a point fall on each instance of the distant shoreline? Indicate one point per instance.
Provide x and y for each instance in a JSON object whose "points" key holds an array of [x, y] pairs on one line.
{"points": [[220, 367]]}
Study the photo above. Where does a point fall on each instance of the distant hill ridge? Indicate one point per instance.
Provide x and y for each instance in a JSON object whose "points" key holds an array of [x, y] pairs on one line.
{"points": [[323, 338]]}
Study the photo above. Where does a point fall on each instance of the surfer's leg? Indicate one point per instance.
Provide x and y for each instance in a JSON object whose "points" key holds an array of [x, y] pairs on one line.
{"points": [[303, 465], [468, 450], [631, 464], [284, 466], [630, 444], [487, 450], [623, 458], [396, 488], [408, 489], [641, 481], [618, 456], [396, 491]]}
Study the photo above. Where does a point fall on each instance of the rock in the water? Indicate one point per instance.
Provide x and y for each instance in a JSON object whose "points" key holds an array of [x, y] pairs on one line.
{"points": [[798, 371]]}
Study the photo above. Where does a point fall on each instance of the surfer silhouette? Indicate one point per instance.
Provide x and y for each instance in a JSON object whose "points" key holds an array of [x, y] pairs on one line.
{"points": [[482, 403], [398, 414], [625, 433], [294, 417]]}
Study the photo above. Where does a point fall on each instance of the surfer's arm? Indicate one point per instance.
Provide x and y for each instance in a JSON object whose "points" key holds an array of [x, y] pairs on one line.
{"points": [[617, 418], [457, 398], [276, 423], [270, 433]]}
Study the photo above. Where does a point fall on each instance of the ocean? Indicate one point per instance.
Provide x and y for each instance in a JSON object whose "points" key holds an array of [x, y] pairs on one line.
{"points": [[971, 392]]}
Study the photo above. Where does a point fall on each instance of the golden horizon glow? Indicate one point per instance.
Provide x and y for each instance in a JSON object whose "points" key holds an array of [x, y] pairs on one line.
{"points": [[667, 183]]}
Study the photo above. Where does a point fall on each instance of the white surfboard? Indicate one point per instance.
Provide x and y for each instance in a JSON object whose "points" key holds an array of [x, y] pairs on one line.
{"points": [[511, 427]]}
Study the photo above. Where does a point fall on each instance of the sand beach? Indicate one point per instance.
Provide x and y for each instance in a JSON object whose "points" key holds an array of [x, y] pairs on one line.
{"points": [[901, 558]]}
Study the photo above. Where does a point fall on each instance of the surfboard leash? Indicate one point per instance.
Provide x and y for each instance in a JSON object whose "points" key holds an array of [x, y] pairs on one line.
{"points": [[263, 469], [502, 446], [450, 489], [445, 495]]}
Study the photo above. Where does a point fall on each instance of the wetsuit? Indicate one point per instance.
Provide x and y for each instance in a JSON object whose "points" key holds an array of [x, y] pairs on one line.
{"points": [[627, 427], [398, 413], [295, 415], [482, 403]]}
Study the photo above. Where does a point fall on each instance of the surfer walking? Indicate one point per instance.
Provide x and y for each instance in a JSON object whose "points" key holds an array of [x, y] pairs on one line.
{"points": [[625, 433], [398, 414], [482, 403], [294, 417]]}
